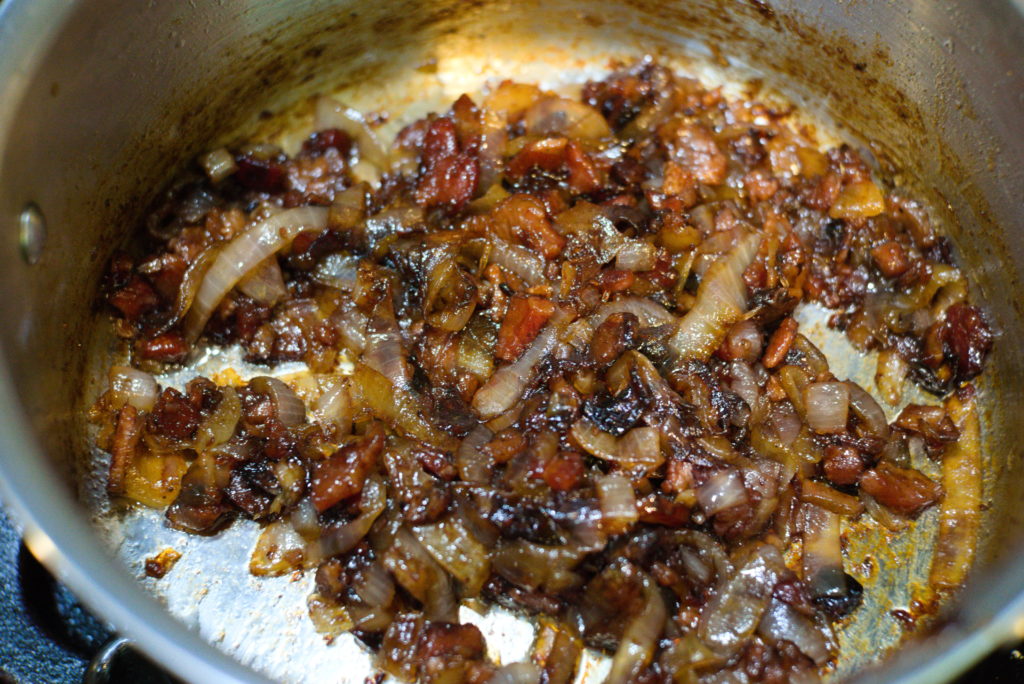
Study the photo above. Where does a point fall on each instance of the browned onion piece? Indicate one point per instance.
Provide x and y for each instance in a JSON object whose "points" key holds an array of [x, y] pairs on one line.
{"points": [[823, 553], [473, 464], [450, 298], [783, 623], [734, 612], [516, 673], [458, 552], [868, 411], [721, 302], [218, 164], [960, 511], [517, 260], [650, 313], [332, 114], [342, 538], [724, 489], [245, 253], [421, 576], [827, 405], [398, 407], [636, 648], [290, 409], [493, 137], [219, 426], [334, 405], [636, 255], [618, 503], [264, 283], [133, 387], [509, 382], [384, 352], [279, 550], [593, 440]]}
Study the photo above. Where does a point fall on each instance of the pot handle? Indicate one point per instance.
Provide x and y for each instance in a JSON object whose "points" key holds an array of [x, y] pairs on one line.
{"points": [[118, 661], [98, 671]]}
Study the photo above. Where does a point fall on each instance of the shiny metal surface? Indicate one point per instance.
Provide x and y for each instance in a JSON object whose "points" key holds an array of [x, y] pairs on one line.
{"points": [[100, 101]]}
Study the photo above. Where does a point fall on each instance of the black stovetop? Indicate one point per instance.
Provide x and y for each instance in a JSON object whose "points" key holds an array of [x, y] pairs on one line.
{"points": [[48, 637]]}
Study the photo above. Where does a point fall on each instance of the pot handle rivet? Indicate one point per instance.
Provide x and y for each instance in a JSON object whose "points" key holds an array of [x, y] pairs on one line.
{"points": [[31, 233]]}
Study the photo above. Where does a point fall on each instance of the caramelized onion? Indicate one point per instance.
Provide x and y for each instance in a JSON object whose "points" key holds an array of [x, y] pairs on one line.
{"points": [[960, 510], [735, 611], [868, 411], [618, 503], [334, 405], [342, 538], [509, 382], [827, 405], [724, 489], [783, 623], [636, 648], [458, 552], [721, 302], [245, 253], [264, 283], [290, 409], [132, 387], [332, 114]]}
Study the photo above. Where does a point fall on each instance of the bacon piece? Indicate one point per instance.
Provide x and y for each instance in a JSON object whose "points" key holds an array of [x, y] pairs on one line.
{"points": [[135, 299], [902, 490], [174, 416], [780, 342], [523, 320], [126, 439], [614, 280], [967, 339], [170, 347], [891, 259], [523, 219], [659, 510], [344, 473], [563, 471], [449, 176]]}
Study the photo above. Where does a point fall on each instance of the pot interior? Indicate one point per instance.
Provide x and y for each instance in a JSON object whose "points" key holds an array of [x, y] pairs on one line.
{"points": [[122, 95]]}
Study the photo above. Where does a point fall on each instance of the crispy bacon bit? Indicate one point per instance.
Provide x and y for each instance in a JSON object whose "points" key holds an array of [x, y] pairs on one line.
{"points": [[135, 299], [505, 445], [174, 416], [967, 338], [170, 347], [523, 219], [122, 453], [343, 474], [694, 147], [891, 259], [903, 490], [523, 321], [161, 564], [563, 471], [658, 510], [614, 336], [614, 280], [548, 155], [583, 175], [780, 342], [261, 175], [842, 465], [449, 176]]}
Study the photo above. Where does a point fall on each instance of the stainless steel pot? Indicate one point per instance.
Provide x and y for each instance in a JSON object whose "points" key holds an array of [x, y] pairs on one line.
{"points": [[100, 101]]}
